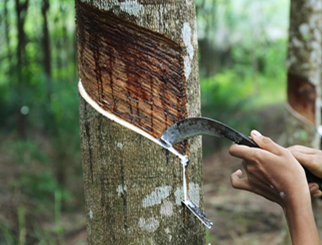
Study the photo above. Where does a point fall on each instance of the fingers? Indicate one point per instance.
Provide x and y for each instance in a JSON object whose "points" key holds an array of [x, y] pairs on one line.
{"points": [[244, 184], [240, 151], [302, 149], [238, 183], [304, 159], [314, 190], [317, 194], [245, 152], [266, 143], [312, 162], [309, 158], [252, 153]]}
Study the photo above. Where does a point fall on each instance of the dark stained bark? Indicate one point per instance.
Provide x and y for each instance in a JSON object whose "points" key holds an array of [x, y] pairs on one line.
{"points": [[138, 73], [304, 73], [133, 187], [302, 96]]}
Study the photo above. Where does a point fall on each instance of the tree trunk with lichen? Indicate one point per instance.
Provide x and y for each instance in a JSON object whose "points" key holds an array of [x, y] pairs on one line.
{"points": [[133, 187], [304, 73]]}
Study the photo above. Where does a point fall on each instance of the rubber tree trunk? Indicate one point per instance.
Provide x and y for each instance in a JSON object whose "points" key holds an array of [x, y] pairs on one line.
{"points": [[133, 187], [304, 73]]}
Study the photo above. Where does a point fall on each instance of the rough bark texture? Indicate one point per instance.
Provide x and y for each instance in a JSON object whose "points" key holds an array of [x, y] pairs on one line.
{"points": [[133, 187], [304, 72]]}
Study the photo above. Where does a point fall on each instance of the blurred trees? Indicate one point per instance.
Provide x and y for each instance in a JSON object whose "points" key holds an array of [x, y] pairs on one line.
{"points": [[243, 50], [38, 117]]}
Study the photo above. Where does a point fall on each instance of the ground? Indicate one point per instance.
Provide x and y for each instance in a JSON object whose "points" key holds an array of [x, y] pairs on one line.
{"points": [[239, 217]]}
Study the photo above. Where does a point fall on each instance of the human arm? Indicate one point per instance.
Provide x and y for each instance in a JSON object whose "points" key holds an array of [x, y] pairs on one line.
{"points": [[275, 174]]}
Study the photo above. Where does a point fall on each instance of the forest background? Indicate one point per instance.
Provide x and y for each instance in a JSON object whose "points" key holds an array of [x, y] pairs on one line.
{"points": [[242, 59]]}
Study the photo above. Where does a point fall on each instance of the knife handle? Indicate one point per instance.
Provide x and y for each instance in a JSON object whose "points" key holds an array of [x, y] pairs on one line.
{"points": [[311, 178]]}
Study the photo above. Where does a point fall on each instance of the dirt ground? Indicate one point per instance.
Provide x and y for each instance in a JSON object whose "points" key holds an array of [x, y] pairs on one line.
{"points": [[239, 217]]}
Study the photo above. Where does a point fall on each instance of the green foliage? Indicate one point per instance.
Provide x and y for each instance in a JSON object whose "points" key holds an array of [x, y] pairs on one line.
{"points": [[255, 79], [35, 179], [26, 152], [243, 66], [8, 237], [256, 43], [221, 94], [50, 117], [40, 186], [64, 105], [22, 226]]}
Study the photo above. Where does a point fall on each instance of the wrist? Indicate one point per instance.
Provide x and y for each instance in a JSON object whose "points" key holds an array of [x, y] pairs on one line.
{"points": [[298, 209], [297, 195], [297, 202], [300, 220]]}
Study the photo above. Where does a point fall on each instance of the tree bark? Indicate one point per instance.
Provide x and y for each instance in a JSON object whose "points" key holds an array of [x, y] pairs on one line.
{"points": [[133, 187], [304, 73]]}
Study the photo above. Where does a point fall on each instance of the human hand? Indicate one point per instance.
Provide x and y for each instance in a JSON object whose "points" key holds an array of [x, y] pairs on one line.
{"points": [[272, 172], [312, 160], [309, 158]]}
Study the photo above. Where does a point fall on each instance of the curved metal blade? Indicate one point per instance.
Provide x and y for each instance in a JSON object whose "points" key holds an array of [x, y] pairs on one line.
{"points": [[190, 127]]}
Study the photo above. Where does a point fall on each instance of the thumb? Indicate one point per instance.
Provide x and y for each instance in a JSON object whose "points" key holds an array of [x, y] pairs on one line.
{"points": [[238, 183], [266, 143]]}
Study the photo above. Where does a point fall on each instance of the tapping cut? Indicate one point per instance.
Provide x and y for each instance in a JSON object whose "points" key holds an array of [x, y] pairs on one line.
{"points": [[130, 71]]}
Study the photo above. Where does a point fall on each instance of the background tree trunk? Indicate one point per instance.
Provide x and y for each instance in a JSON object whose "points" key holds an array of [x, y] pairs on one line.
{"points": [[21, 11], [304, 73], [46, 51], [133, 187], [7, 37]]}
